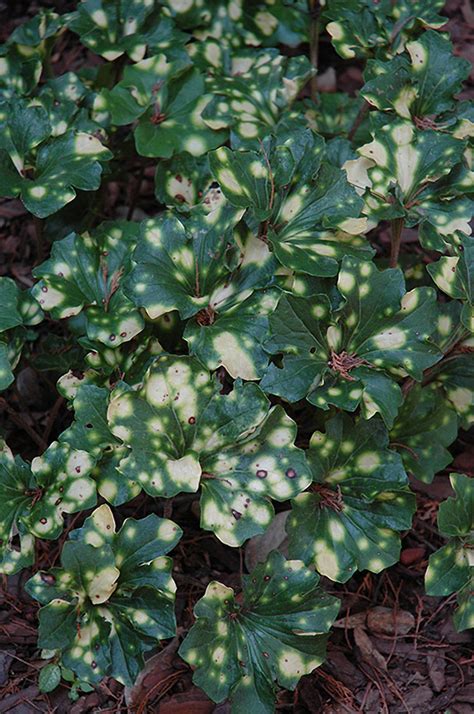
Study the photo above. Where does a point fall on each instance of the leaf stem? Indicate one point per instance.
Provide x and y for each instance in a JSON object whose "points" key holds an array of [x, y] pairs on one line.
{"points": [[314, 30], [361, 114], [22, 424], [38, 234], [397, 227]]}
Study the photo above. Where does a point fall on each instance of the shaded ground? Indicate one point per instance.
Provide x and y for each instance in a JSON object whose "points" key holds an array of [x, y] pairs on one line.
{"points": [[405, 657]]}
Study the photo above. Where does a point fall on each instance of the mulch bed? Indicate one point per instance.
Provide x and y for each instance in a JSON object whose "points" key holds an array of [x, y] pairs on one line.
{"points": [[394, 649]]}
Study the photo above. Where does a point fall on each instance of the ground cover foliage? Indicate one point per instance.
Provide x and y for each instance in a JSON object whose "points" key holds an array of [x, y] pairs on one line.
{"points": [[279, 341]]}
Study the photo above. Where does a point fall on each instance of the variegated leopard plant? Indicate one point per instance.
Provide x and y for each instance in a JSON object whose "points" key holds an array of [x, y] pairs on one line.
{"points": [[184, 331]]}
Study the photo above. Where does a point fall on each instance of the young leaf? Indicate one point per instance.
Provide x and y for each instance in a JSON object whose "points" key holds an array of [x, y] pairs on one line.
{"points": [[66, 100], [182, 181], [352, 355], [113, 597], [357, 502], [426, 424], [234, 337], [49, 678], [305, 208], [85, 274], [451, 568], [276, 634], [180, 432]]}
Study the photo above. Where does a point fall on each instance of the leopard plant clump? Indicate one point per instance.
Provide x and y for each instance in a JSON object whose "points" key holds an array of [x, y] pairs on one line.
{"points": [[259, 334]]}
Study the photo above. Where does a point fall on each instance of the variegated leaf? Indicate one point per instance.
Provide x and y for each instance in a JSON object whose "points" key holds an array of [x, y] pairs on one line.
{"points": [[111, 27], [84, 275], [251, 102], [17, 311], [305, 208], [276, 634], [43, 171], [364, 28], [451, 568], [358, 501], [425, 426], [353, 355], [167, 98], [34, 498], [182, 433], [454, 275], [205, 269], [420, 83], [113, 597]]}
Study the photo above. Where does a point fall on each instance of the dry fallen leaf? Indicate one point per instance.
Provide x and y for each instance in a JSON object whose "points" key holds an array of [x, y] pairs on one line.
{"points": [[367, 649], [386, 621]]}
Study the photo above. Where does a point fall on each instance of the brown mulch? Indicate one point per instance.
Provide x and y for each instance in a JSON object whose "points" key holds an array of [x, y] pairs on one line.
{"points": [[394, 649]]}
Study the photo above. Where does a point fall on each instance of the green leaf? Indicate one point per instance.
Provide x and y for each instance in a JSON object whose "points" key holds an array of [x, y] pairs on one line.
{"points": [[45, 171], [451, 568], [425, 426], [463, 617], [180, 432], [362, 28], [456, 514], [34, 498], [182, 181], [85, 274], [207, 271], [62, 477], [112, 27], [235, 338], [113, 594], [17, 311], [167, 98], [90, 431], [49, 678], [352, 355], [33, 33], [454, 275], [358, 501], [276, 634], [19, 73], [420, 85], [252, 101], [297, 200]]}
